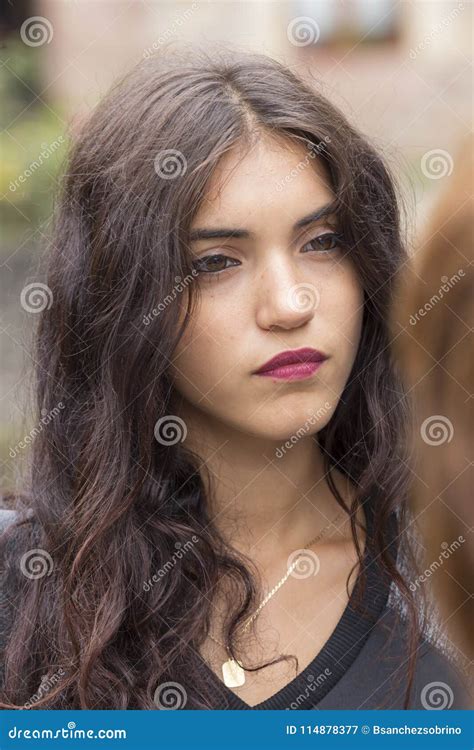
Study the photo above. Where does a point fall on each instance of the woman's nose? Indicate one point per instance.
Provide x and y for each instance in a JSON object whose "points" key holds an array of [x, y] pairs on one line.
{"points": [[283, 299]]}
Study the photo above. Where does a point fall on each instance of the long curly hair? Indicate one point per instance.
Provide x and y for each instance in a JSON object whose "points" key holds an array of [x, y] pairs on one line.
{"points": [[110, 503]]}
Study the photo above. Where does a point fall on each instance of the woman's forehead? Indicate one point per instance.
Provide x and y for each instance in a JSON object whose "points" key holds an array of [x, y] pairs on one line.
{"points": [[278, 179]]}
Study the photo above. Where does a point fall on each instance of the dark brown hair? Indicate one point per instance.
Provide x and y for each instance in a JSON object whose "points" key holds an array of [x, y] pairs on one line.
{"points": [[112, 504]]}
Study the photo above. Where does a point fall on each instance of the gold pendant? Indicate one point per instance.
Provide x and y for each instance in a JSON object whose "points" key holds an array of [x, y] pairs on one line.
{"points": [[234, 675]]}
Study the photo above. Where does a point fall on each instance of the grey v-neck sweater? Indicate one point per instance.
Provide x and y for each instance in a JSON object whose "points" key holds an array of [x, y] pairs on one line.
{"points": [[363, 664]]}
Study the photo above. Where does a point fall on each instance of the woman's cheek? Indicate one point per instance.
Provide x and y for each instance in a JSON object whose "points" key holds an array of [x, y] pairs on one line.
{"points": [[208, 350], [344, 308]]}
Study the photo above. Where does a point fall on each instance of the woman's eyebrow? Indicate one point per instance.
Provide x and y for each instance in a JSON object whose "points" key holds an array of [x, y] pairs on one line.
{"points": [[223, 232]]}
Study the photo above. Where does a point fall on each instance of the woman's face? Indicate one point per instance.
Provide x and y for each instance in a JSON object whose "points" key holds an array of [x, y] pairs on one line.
{"points": [[273, 287]]}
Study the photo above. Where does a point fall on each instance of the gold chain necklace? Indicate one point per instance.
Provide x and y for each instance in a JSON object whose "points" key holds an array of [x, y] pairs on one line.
{"points": [[233, 671]]}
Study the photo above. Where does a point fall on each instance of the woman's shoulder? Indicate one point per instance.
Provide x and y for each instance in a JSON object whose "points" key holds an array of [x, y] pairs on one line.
{"points": [[378, 678], [441, 673]]}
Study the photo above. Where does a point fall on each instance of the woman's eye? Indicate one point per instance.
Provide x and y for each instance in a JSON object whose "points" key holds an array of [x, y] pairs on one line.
{"points": [[211, 264], [325, 243]]}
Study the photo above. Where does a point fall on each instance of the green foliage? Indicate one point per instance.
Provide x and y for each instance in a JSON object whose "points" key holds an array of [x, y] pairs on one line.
{"points": [[33, 143]]}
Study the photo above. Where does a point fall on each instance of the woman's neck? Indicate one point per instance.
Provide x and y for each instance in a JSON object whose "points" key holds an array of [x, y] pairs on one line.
{"points": [[262, 499]]}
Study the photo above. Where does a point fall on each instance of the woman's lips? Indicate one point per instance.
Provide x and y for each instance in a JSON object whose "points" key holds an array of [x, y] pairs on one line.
{"points": [[293, 364], [296, 371]]}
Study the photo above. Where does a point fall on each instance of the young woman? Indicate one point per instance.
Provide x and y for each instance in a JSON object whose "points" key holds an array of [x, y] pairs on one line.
{"points": [[217, 507]]}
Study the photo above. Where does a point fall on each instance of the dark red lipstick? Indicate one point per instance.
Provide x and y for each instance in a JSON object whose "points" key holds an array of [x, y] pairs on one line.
{"points": [[293, 365]]}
